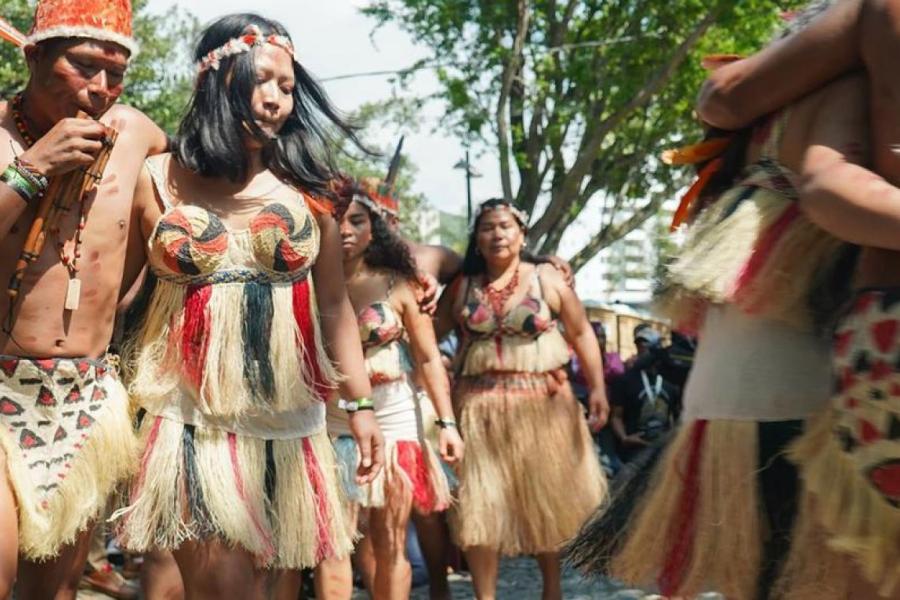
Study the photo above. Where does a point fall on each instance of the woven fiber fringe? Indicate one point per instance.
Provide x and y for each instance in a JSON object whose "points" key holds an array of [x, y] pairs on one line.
{"points": [[707, 537], [781, 288], [279, 500], [859, 526], [601, 537], [530, 476], [517, 353], [721, 242], [755, 248], [239, 347], [107, 458], [151, 348], [411, 469]]}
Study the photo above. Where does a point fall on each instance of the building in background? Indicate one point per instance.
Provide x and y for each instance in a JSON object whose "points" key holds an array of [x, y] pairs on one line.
{"points": [[626, 271], [441, 227]]}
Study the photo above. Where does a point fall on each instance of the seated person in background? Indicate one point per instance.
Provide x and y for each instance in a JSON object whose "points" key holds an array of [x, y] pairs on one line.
{"points": [[644, 404]]}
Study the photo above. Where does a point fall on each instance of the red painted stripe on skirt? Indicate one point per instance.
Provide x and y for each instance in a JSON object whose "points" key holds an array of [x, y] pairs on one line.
{"points": [[324, 547], [303, 316], [411, 459], [764, 248], [194, 332], [682, 530]]}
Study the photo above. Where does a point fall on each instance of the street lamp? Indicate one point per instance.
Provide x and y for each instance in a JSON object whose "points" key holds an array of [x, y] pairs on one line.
{"points": [[470, 173]]}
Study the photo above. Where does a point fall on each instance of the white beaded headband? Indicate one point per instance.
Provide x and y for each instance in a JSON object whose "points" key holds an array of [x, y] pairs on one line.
{"points": [[253, 38], [520, 215]]}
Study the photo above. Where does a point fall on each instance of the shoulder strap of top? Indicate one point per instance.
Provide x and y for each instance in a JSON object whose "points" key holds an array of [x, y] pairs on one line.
{"points": [[155, 168], [392, 280], [537, 285]]}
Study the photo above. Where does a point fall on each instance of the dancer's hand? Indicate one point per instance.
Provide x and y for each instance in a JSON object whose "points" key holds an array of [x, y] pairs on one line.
{"points": [[598, 409], [451, 445], [427, 292], [367, 434], [564, 268], [70, 144], [635, 440]]}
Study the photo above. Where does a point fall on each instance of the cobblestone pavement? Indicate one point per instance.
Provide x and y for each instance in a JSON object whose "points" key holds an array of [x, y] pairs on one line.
{"points": [[520, 579]]}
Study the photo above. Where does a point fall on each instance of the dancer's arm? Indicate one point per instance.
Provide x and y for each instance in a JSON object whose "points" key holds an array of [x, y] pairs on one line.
{"points": [[427, 359], [341, 335], [738, 93], [145, 211], [443, 316], [580, 335], [838, 194]]}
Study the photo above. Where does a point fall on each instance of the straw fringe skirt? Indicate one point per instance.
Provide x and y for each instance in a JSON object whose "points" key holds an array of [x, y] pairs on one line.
{"points": [[700, 527], [279, 500], [66, 433], [530, 476], [412, 468]]}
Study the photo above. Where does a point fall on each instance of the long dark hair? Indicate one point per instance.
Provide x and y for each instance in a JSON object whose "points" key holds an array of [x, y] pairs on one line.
{"points": [[386, 250], [474, 263], [211, 136]]}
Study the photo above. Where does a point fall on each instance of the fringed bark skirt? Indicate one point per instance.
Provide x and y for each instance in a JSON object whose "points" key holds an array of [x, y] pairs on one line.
{"points": [[716, 516], [411, 464], [850, 464], [68, 439], [530, 475], [280, 500]]}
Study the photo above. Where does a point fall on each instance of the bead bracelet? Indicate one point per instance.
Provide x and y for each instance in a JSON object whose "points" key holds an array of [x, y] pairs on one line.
{"points": [[21, 184], [352, 406]]}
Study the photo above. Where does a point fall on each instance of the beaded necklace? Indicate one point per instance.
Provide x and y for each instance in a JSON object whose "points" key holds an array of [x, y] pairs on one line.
{"points": [[15, 106], [70, 262], [497, 298]]}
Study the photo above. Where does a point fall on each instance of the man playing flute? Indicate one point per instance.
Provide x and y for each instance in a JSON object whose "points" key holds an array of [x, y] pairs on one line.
{"points": [[66, 437]]}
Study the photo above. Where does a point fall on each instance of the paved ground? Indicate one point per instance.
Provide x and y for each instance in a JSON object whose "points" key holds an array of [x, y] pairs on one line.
{"points": [[519, 580]]}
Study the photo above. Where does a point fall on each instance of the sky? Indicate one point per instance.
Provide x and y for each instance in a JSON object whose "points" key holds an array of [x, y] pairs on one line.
{"points": [[332, 39]]}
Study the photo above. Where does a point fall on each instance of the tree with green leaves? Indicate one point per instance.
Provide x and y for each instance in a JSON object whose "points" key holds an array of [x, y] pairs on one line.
{"points": [[577, 98], [159, 80]]}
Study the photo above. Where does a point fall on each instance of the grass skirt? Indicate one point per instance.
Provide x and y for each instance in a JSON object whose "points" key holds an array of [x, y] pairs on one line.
{"points": [[530, 476], [850, 464], [279, 500], [700, 527], [67, 435], [411, 467]]}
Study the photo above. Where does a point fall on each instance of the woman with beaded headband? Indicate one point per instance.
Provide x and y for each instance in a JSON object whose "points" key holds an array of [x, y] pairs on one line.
{"points": [[530, 475], [246, 332], [400, 348]]}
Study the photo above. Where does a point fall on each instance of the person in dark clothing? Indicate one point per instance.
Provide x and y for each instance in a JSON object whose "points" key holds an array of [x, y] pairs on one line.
{"points": [[644, 404]]}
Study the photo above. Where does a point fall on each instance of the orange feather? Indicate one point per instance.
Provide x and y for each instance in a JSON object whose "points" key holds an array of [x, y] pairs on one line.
{"points": [[9, 33], [684, 207]]}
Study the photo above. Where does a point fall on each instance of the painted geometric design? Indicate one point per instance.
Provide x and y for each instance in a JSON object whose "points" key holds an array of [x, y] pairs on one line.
{"points": [[45, 397], [8, 367], [50, 407], [74, 396], [30, 439], [9, 408], [867, 364], [885, 477]]}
